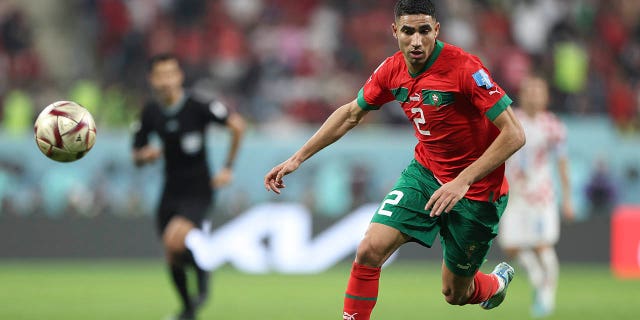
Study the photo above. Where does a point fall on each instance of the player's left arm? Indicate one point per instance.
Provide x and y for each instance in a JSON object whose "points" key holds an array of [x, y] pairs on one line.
{"points": [[143, 152], [236, 125], [509, 140], [558, 137], [335, 127], [565, 185]]}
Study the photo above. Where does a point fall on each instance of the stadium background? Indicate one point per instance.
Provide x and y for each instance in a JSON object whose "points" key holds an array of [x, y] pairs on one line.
{"points": [[285, 65]]}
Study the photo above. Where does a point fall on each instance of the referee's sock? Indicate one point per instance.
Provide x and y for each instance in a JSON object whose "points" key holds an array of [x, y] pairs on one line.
{"points": [[202, 278], [362, 292], [179, 277]]}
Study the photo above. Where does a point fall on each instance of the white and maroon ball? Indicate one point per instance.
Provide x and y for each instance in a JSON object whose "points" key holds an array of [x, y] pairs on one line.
{"points": [[65, 131]]}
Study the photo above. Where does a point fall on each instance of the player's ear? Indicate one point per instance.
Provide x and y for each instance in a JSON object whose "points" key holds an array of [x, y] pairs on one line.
{"points": [[437, 29], [393, 30]]}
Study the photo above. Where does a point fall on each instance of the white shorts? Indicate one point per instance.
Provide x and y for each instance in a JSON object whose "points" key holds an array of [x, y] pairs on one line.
{"points": [[524, 224]]}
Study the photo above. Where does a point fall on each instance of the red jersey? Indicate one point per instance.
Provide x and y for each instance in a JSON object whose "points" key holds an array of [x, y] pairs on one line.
{"points": [[451, 104]]}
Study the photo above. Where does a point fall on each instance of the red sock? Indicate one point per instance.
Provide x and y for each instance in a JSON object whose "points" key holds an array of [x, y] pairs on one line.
{"points": [[362, 292], [486, 285]]}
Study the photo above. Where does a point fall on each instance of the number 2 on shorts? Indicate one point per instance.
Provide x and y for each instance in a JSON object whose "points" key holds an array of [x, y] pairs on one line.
{"points": [[391, 201]]}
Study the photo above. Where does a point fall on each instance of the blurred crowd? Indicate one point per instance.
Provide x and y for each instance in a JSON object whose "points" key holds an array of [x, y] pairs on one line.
{"points": [[294, 61], [287, 63]]}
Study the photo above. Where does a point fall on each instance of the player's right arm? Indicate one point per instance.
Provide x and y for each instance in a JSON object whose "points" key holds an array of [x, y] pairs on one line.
{"points": [[337, 125], [143, 152]]}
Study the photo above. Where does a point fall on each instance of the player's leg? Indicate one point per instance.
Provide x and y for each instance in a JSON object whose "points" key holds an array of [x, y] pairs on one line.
{"points": [[523, 227], [191, 214], [400, 218], [546, 294], [530, 262], [202, 276], [379, 242], [203, 280], [175, 260], [460, 290], [547, 233], [176, 229], [466, 236]]}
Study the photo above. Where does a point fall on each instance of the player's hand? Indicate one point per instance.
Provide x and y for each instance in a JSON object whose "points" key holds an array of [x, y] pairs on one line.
{"points": [[147, 154], [273, 179], [222, 178], [568, 213], [446, 197]]}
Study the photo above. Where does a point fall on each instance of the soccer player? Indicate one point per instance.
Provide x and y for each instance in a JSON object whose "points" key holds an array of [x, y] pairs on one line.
{"points": [[180, 120], [530, 227], [455, 186]]}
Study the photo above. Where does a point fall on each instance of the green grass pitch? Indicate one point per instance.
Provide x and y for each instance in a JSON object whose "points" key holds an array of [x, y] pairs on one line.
{"points": [[70, 290]]}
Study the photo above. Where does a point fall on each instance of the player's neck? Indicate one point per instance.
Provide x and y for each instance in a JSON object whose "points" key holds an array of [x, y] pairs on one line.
{"points": [[172, 100], [415, 68]]}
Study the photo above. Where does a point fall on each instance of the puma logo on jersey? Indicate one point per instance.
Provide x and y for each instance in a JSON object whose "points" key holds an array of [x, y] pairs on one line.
{"points": [[415, 97], [494, 91]]}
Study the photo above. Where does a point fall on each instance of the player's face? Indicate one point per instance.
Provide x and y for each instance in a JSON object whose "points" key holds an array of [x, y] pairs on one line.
{"points": [[416, 36], [534, 95], [166, 79]]}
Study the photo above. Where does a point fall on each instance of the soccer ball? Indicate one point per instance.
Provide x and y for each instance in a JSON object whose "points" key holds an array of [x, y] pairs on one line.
{"points": [[65, 131]]}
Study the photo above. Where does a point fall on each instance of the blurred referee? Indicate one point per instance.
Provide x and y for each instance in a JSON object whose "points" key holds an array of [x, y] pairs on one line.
{"points": [[180, 120]]}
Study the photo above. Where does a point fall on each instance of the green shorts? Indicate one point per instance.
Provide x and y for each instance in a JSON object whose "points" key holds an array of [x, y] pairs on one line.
{"points": [[466, 232]]}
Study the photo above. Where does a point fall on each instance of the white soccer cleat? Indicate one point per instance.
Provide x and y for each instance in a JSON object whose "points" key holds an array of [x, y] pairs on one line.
{"points": [[505, 272]]}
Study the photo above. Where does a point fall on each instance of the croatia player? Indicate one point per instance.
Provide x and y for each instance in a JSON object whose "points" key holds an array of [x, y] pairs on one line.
{"points": [[455, 186], [531, 224]]}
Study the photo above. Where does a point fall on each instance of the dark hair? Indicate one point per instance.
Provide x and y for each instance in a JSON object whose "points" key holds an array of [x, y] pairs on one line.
{"points": [[162, 57], [408, 7]]}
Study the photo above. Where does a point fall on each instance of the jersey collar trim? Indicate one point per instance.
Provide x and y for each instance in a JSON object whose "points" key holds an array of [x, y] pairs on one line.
{"points": [[432, 59]]}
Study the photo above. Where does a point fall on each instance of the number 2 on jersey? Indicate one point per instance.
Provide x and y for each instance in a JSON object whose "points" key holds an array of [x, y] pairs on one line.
{"points": [[390, 201], [420, 121]]}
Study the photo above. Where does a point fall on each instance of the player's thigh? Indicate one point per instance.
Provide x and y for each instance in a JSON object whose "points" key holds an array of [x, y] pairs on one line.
{"points": [[467, 233], [190, 213], [175, 232], [379, 242], [403, 208]]}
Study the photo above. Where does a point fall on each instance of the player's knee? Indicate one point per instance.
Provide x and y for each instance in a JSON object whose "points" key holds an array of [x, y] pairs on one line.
{"points": [[172, 244], [368, 254]]}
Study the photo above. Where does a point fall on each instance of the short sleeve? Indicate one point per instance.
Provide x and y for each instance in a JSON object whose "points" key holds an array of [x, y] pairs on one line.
{"points": [[217, 112], [375, 91], [480, 89]]}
